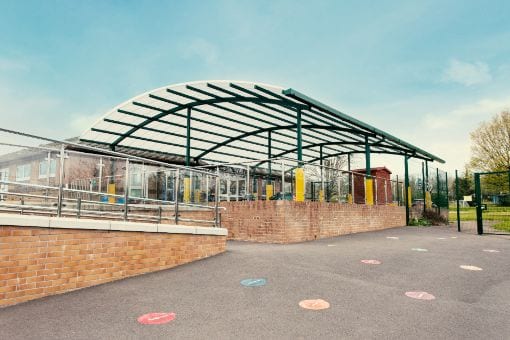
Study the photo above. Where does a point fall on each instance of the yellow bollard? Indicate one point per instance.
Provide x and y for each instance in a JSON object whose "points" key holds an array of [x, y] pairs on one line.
{"points": [[409, 197], [428, 200], [111, 190], [300, 185], [321, 195], [349, 199], [187, 189], [369, 191], [269, 191]]}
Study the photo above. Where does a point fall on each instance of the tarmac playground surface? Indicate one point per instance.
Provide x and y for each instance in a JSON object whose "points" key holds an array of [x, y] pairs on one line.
{"points": [[366, 301]]}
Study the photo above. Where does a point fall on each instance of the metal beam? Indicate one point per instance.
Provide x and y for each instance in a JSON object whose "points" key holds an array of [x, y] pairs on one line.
{"points": [[323, 107], [272, 129]]}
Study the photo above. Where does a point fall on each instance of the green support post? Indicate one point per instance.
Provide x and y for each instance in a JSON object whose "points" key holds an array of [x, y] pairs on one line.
{"points": [[188, 136], [299, 138], [427, 174], [406, 186], [478, 202], [367, 158], [269, 154], [457, 199]]}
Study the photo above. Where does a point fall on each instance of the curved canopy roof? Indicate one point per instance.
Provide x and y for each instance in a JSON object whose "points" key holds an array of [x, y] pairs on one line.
{"points": [[233, 121]]}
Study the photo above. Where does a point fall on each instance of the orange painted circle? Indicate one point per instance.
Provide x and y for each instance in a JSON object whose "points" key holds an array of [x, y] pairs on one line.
{"points": [[316, 304]]}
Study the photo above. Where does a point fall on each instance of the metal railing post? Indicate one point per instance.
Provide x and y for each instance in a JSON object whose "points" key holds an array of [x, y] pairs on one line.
{"points": [[283, 180], [126, 191], [78, 206], [176, 195], [457, 199], [60, 181], [217, 200]]}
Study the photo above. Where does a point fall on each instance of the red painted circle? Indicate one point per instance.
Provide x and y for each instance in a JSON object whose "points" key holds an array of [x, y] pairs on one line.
{"points": [[371, 261], [420, 295], [156, 318]]}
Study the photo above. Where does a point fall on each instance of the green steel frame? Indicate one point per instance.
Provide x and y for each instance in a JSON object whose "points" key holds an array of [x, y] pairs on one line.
{"points": [[233, 121]]}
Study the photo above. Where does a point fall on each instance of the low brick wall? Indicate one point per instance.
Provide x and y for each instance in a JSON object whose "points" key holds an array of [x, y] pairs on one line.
{"points": [[36, 262], [287, 221]]}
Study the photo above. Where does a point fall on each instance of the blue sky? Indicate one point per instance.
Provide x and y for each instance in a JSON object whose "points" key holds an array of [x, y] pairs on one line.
{"points": [[425, 71]]}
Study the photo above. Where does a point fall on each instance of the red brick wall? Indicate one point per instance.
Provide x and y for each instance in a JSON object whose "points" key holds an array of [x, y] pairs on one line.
{"points": [[286, 222], [36, 262]]}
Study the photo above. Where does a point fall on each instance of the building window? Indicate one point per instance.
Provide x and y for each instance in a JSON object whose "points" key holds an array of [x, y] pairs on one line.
{"points": [[43, 168], [23, 172], [135, 184]]}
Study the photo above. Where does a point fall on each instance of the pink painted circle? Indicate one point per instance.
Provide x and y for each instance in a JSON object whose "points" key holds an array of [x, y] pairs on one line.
{"points": [[371, 261], [156, 318], [316, 304], [420, 295]]}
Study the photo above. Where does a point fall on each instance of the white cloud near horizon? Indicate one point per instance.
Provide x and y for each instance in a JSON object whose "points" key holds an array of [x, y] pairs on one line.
{"points": [[466, 73], [474, 112], [12, 65]]}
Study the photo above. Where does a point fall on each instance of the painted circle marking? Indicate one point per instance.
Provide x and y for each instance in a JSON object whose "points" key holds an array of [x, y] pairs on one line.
{"points": [[419, 249], [331, 245], [453, 237], [371, 261], [491, 251], [475, 268], [316, 304], [441, 238], [420, 295], [392, 237], [156, 318], [254, 282]]}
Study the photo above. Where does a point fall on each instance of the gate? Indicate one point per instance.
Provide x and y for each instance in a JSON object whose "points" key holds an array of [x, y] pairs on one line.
{"points": [[492, 200]]}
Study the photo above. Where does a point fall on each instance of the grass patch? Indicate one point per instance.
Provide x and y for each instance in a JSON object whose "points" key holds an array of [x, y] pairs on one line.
{"points": [[502, 226]]}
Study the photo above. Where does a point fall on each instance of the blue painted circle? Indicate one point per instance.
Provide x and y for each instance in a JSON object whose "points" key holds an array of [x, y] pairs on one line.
{"points": [[253, 282]]}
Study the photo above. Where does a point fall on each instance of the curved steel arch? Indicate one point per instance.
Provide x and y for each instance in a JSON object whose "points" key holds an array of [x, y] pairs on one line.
{"points": [[227, 112]]}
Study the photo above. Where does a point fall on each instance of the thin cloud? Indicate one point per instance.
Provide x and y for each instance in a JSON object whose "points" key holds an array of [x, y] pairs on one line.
{"points": [[466, 73], [467, 113], [12, 65], [202, 49]]}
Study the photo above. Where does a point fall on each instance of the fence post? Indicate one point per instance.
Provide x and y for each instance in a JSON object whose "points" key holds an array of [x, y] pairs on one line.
{"points": [[423, 187], [406, 190], [176, 196], [457, 199], [478, 202], [438, 197], [398, 193], [126, 190], [60, 181], [447, 198]]}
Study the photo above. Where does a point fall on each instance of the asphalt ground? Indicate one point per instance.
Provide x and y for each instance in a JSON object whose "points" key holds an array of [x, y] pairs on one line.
{"points": [[366, 301]]}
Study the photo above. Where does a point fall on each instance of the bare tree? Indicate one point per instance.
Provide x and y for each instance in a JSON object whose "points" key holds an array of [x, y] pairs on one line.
{"points": [[491, 144]]}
